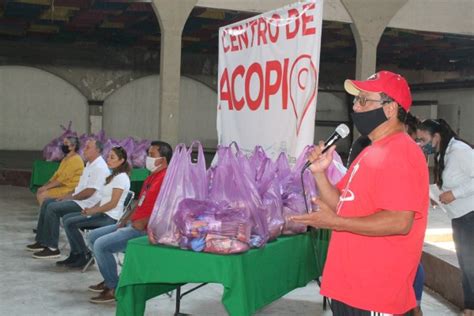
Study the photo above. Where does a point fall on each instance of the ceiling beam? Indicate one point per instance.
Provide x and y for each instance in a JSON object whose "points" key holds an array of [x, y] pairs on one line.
{"points": [[442, 16]]}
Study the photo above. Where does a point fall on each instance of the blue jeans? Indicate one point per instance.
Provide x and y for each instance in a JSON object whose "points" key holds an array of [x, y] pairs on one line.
{"points": [[418, 283], [106, 241], [463, 235], [51, 211], [74, 222]]}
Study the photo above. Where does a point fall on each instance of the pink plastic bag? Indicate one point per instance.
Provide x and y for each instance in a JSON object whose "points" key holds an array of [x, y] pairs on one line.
{"points": [[184, 179]]}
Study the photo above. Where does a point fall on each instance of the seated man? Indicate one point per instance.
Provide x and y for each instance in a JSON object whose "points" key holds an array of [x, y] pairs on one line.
{"points": [[85, 195], [106, 241], [107, 212], [66, 178]]}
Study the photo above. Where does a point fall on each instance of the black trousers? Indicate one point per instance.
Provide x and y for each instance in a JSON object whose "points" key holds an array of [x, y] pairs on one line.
{"points": [[342, 309], [463, 235]]}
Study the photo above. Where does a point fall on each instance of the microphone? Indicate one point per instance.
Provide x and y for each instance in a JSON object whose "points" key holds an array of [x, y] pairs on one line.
{"points": [[340, 132]]}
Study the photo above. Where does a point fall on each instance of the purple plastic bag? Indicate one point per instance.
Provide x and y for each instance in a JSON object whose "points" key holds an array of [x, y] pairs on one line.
{"points": [[82, 140], [273, 203], [138, 156], [128, 144], [257, 160], [292, 194], [212, 227], [292, 189], [268, 186], [52, 151], [283, 169], [108, 145], [336, 169], [184, 179], [229, 183]]}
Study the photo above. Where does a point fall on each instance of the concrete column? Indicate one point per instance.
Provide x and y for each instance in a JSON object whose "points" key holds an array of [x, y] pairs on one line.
{"points": [[95, 116], [370, 18], [172, 16]]}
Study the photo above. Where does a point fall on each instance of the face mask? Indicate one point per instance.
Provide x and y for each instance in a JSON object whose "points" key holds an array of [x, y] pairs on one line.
{"points": [[366, 122], [65, 149], [150, 164], [428, 148]]}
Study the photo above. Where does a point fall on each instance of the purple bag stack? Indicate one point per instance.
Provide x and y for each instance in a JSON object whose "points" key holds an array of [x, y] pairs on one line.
{"points": [[136, 150], [239, 203], [52, 151], [184, 179], [138, 157]]}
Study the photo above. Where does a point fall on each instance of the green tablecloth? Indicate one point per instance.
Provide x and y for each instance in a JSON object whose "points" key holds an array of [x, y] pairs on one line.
{"points": [[44, 170], [41, 173], [136, 179], [251, 280]]}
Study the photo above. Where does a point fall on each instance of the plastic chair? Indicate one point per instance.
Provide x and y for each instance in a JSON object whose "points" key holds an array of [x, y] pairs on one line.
{"points": [[127, 210]]}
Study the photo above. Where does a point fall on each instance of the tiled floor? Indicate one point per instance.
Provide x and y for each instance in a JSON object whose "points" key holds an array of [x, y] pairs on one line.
{"points": [[37, 287]]}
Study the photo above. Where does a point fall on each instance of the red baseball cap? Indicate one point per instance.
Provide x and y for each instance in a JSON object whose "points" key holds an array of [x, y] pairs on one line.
{"points": [[392, 84]]}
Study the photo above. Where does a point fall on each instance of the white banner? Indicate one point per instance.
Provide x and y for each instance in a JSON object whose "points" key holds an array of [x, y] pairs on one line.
{"points": [[268, 79]]}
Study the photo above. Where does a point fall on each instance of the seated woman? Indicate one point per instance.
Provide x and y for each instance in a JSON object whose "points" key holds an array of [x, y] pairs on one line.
{"points": [[106, 212], [66, 178], [106, 241]]}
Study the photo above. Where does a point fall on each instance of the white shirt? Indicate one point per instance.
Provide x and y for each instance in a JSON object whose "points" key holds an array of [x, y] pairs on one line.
{"points": [[120, 181], [458, 176], [93, 177]]}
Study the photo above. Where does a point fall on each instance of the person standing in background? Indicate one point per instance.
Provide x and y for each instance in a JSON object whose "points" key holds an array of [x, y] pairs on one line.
{"points": [[454, 176]]}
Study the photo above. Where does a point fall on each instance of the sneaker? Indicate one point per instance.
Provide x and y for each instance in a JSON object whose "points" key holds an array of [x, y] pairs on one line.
{"points": [[47, 253], [72, 257], [80, 261], [35, 247], [98, 288], [106, 296]]}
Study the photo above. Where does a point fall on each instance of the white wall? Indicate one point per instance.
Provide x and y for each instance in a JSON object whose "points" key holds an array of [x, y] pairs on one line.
{"points": [[33, 103], [133, 110], [198, 112], [456, 106]]}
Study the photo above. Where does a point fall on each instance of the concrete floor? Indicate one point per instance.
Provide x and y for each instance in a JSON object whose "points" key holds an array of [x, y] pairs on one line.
{"points": [[37, 287]]}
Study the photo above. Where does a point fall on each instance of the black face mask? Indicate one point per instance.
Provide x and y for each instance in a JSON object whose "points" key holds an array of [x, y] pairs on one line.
{"points": [[65, 149], [366, 122]]}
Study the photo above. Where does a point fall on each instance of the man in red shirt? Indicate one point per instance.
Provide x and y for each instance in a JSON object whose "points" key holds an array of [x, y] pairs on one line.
{"points": [[106, 241], [378, 211]]}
